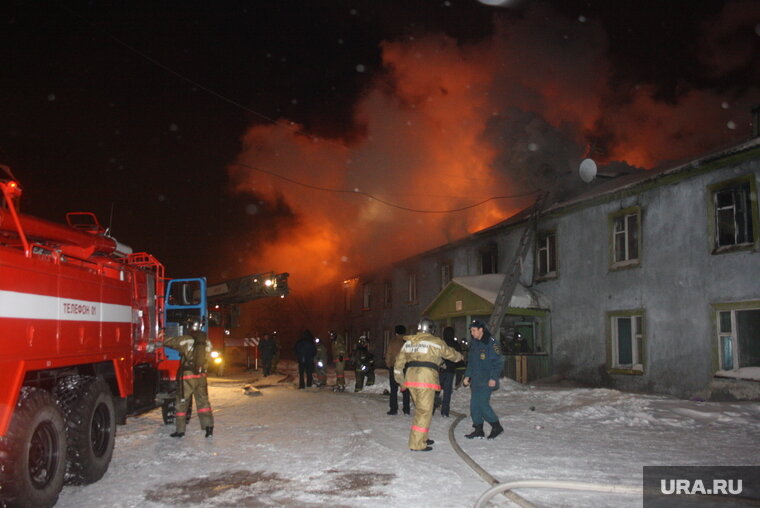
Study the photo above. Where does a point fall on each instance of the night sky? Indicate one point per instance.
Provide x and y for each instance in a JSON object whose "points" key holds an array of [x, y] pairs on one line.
{"points": [[170, 120]]}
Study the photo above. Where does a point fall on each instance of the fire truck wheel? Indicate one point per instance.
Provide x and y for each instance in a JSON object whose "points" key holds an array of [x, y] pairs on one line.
{"points": [[33, 452], [90, 428]]}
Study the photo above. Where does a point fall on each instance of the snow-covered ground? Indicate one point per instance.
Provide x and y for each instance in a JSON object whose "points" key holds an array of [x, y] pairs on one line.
{"points": [[304, 448]]}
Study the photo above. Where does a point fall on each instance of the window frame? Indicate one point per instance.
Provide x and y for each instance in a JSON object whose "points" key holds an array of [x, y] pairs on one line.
{"points": [[546, 242], [629, 261], [367, 296], [446, 273], [490, 251], [752, 215], [732, 333], [638, 363], [412, 290]]}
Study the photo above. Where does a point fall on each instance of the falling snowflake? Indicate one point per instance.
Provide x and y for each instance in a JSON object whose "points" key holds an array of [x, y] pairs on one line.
{"points": [[174, 127], [51, 97], [532, 147], [724, 105], [360, 68], [731, 125], [582, 19]]}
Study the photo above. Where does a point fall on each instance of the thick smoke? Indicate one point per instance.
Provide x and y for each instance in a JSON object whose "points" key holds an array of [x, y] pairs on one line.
{"points": [[447, 125]]}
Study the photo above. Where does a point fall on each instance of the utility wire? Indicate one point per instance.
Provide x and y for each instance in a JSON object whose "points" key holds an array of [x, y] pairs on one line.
{"points": [[273, 121], [380, 200]]}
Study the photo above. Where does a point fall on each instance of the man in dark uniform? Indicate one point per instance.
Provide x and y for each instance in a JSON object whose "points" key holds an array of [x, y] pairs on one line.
{"points": [[194, 349], [305, 351], [484, 365], [396, 342], [267, 349]]}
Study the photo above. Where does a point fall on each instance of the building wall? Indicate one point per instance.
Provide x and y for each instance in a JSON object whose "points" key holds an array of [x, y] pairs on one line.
{"points": [[675, 283]]}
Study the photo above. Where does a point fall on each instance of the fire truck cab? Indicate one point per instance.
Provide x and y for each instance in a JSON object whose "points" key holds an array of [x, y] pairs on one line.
{"points": [[80, 348]]}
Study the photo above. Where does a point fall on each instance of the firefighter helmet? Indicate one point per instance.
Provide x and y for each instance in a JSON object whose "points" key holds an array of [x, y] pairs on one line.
{"points": [[426, 325]]}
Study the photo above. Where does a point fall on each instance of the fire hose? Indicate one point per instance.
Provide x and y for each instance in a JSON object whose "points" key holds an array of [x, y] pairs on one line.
{"points": [[506, 488]]}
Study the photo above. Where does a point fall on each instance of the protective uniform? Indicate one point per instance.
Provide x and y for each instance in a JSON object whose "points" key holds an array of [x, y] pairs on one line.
{"points": [[339, 355], [305, 352], [320, 362], [416, 369], [194, 348], [364, 365]]}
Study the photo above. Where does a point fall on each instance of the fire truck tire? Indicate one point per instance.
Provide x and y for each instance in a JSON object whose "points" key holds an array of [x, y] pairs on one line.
{"points": [[90, 429], [33, 452]]}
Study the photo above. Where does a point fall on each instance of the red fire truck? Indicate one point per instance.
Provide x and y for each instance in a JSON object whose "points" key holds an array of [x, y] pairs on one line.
{"points": [[80, 317]]}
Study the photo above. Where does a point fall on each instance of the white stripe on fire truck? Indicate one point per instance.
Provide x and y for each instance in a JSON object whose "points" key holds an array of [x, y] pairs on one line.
{"points": [[31, 306]]}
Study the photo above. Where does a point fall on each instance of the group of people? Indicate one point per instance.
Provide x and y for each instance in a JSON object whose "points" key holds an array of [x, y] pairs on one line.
{"points": [[424, 364]]}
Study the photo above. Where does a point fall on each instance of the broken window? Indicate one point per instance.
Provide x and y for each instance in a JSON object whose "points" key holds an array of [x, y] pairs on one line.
{"points": [[626, 237], [734, 218], [445, 274], [489, 259], [367, 296], [546, 254]]}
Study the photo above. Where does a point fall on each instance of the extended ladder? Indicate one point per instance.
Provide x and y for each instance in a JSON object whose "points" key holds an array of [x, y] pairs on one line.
{"points": [[504, 296]]}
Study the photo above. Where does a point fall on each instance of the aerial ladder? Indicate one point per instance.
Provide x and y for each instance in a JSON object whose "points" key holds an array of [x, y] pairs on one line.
{"points": [[507, 289]]}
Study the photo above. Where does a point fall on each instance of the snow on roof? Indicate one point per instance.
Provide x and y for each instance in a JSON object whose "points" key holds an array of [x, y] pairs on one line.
{"points": [[487, 287]]}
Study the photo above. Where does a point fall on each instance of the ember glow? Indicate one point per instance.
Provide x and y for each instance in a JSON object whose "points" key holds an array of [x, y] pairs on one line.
{"points": [[446, 125]]}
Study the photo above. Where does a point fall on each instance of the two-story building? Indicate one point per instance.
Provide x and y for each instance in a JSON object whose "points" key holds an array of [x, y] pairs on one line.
{"points": [[647, 282]]}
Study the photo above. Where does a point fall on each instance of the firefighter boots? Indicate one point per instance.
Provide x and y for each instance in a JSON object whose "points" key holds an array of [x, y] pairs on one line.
{"points": [[210, 431], [496, 429], [478, 432], [177, 434]]}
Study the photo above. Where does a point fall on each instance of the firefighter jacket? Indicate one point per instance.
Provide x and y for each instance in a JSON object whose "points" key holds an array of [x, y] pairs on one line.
{"points": [[192, 360], [339, 348], [484, 362], [321, 355], [417, 363], [394, 346], [363, 360]]}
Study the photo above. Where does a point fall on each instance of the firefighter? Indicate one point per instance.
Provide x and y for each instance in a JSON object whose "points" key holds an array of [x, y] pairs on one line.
{"points": [[339, 355], [416, 369], [364, 364], [305, 351], [320, 362], [194, 348]]}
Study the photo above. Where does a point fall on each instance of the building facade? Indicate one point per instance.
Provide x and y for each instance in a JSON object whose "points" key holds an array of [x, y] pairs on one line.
{"points": [[647, 282]]}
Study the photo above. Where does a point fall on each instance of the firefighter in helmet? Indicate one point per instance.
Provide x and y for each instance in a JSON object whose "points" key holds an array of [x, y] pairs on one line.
{"points": [[320, 362], [364, 364], [416, 370], [339, 356], [195, 349]]}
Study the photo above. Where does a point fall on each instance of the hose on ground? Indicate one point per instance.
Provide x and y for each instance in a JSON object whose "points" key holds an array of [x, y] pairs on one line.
{"points": [[555, 484], [512, 496]]}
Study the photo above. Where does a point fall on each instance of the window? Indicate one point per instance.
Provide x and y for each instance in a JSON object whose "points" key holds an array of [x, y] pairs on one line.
{"points": [[387, 294], [738, 338], [489, 259], [367, 296], [626, 238], [734, 214], [445, 274], [412, 288], [627, 342], [546, 254]]}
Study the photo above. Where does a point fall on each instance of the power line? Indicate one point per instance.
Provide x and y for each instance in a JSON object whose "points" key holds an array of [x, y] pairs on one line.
{"points": [[380, 200]]}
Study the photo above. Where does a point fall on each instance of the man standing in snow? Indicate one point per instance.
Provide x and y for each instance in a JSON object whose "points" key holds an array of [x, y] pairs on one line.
{"points": [[305, 352], [394, 346], [484, 365], [194, 348], [416, 369], [267, 348]]}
